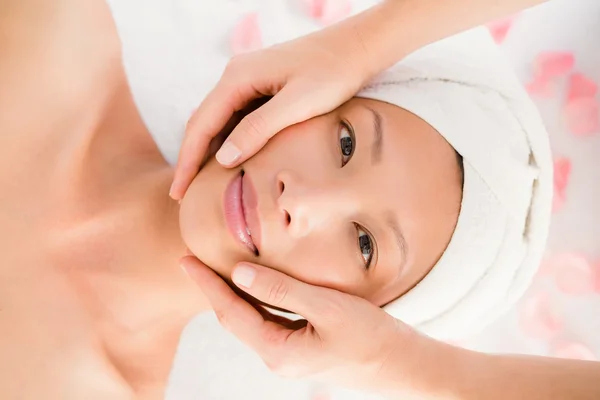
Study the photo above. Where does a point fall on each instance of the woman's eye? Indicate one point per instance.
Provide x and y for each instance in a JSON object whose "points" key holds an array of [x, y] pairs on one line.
{"points": [[365, 244], [346, 142]]}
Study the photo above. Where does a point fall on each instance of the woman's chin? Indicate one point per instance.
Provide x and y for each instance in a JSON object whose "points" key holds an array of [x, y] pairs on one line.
{"points": [[210, 253], [203, 245], [206, 240], [216, 264], [202, 224]]}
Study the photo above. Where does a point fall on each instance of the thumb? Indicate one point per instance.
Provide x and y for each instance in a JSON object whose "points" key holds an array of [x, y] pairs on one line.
{"points": [[286, 108], [282, 291]]}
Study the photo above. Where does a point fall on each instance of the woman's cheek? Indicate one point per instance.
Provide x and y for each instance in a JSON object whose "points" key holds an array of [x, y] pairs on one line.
{"points": [[321, 266], [303, 147]]}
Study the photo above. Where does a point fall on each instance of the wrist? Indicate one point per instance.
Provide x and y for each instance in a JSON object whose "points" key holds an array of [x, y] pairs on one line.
{"points": [[364, 41], [393, 29], [458, 374], [386, 33], [424, 368]]}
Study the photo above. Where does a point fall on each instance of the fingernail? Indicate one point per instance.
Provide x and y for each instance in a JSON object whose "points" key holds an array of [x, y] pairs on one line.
{"points": [[184, 261], [172, 189], [228, 153], [243, 276], [184, 269]]}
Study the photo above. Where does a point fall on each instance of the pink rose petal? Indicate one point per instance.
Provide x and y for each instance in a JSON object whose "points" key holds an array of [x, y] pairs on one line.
{"points": [[558, 202], [335, 11], [538, 319], [572, 350], [580, 86], [562, 173], [541, 86], [314, 8], [596, 270], [328, 12], [246, 36], [551, 64], [583, 116], [320, 393], [499, 28], [573, 274]]}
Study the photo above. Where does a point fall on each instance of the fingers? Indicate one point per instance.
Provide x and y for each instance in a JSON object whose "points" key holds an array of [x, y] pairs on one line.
{"points": [[291, 105], [270, 339], [286, 108], [224, 301], [282, 291], [210, 118]]}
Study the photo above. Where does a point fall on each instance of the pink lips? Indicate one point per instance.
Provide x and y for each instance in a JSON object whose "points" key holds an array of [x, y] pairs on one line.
{"points": [[250, 205], [239, 208]]}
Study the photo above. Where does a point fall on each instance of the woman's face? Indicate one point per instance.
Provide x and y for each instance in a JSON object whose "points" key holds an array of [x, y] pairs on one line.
{"points": [[363, 200]]}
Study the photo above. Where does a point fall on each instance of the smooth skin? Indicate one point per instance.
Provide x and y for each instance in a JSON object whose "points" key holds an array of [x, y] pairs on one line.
{"points": [[391, 358]]}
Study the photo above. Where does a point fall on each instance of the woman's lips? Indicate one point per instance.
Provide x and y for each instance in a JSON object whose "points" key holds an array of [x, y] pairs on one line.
{"points": [[250, 207], [233, 210]]}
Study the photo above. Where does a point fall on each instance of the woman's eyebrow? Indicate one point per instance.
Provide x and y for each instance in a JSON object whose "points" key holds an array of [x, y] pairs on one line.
{"points": [[394, 226], [377, 145], [376, 153]]}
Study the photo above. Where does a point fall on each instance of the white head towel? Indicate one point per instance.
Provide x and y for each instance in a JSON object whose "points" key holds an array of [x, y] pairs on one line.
{"points": [[465, 89]]}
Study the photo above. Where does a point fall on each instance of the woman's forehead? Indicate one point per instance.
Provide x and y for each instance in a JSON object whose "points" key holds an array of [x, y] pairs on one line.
{"points": [[416, 183]]}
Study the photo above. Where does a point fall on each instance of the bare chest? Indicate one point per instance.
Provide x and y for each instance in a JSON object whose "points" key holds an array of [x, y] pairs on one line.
{"points": [[48, 335], [68, 288]]}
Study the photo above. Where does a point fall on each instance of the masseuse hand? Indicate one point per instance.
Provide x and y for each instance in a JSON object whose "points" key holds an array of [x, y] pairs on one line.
{"points": [[347, 341], [307, 77]]}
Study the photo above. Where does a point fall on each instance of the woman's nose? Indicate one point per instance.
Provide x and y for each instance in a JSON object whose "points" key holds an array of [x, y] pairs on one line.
{"points": [[305, 206]]}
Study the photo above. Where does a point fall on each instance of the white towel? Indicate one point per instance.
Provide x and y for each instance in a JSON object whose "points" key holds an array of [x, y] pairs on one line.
{"points": [[174, 52], [465, 88]]}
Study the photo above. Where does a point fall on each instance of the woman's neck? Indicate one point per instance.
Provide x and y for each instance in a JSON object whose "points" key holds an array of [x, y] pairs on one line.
{"points": [[128, 175], [127, 229]]}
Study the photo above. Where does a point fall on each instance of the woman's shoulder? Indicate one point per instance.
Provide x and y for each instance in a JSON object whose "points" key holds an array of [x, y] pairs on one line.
{"points": [[68, 39], [57, 60], [54, 56]]}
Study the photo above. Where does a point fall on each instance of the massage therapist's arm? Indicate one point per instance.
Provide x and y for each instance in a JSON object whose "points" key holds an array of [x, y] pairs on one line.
{"points": [[387, 357], [475, 376], [398, 27], [514, 377], [314, 74]]}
